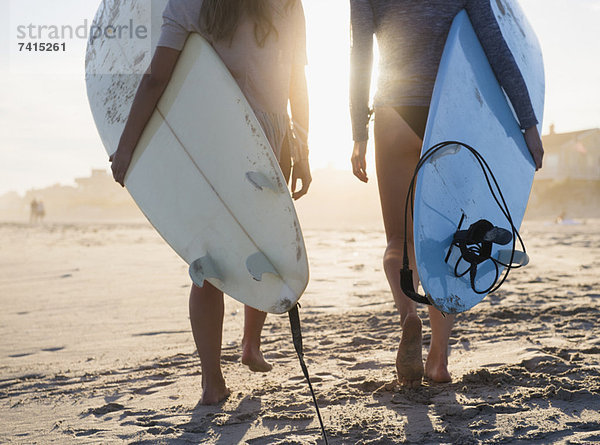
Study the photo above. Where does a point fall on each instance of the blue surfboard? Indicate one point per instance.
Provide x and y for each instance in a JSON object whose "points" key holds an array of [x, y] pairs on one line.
{"points": [[468, 105]]}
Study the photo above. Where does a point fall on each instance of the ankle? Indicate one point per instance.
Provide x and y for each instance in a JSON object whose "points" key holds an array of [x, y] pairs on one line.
{"points": [[409, 316], [250, 344], [212, 379], [438, 354]]}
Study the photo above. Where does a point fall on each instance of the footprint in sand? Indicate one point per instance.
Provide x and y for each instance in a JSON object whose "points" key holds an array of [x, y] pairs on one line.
{"points": [[371, 364], [363, 341], [369, 385], [103, 410]]}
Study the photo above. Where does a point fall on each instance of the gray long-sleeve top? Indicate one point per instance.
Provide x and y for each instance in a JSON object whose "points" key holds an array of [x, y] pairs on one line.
{"points": [[411, 35]]}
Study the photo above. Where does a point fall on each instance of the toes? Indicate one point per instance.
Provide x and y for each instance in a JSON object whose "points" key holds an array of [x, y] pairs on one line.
{"points": [[257, 363]]}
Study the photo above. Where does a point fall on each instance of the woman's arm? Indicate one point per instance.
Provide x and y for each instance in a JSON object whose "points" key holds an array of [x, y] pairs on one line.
{"points": [[507, 72], [361, 64], [151, 88], [299, 108]]}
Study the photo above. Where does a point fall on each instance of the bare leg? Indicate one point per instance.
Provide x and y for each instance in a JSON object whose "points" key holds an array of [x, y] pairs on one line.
{"points": [[397, 150], [436, 367], [206, 316], [251, 353], [409, 359]]}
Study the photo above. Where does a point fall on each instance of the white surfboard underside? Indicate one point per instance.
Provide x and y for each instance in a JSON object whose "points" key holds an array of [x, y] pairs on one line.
{"points": [[194, 172]]}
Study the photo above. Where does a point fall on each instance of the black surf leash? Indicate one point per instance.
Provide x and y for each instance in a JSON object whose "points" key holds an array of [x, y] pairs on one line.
{"points": [[297, 338], [475, 244]]}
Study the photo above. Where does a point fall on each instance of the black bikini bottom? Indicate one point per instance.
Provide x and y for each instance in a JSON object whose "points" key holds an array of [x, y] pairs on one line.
{"points": [[415, 117]]}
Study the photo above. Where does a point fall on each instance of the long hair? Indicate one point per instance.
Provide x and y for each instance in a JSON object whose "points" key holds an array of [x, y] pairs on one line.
{"points": [[220, 18]]}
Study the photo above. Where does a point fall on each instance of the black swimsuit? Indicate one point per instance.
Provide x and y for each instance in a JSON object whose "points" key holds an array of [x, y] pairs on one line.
{"points": [[415, 117], [411, 35]]}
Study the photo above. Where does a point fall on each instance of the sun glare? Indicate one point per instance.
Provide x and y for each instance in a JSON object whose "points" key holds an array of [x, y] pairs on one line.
{"points": [[328, 46]]}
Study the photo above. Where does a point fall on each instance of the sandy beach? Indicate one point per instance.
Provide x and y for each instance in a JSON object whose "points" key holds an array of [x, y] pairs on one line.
{"points": [[96, 347]]}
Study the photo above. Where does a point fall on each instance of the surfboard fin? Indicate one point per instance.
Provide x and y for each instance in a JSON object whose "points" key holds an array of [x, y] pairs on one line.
{"points": [[204, 268], [446, 151], [258, 265], [260, 181], [519, 258]]}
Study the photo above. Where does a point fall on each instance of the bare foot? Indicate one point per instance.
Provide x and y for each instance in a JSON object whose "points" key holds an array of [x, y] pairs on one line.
{"points": [[436, 368], [211, 395], [409, 360], [253, 359]]}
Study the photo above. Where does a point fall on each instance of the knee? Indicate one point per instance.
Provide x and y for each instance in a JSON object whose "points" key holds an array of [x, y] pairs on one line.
{"points": [[393, 257], [206, 292]]}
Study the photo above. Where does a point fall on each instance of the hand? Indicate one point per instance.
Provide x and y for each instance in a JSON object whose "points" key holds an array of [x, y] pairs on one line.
{"points": [[359, 163], [301, 171], [120, 164], [534, 143]]}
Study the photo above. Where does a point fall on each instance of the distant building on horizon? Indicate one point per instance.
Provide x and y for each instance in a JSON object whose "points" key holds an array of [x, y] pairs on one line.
{"points": [[98, 182], [574, 155]]}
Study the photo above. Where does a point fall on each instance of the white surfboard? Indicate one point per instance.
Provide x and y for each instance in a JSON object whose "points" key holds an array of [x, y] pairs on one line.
{"points": [[203, 172], [469, 106]]}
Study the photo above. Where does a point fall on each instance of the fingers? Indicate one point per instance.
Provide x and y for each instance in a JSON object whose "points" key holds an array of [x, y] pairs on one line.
{"points": [[537, 156], [306, 181], [539, 159], [118, 171], [359, 163], [535, 145], [359, 168], [118, 175], [301, 171], [303, 191], [537, 152]]}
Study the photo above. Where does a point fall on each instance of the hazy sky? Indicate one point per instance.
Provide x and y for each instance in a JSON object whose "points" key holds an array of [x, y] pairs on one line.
{"points": [[47, 134]]}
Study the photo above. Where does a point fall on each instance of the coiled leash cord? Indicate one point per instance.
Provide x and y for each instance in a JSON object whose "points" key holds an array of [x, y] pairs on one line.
{"points": [[475, 243]]}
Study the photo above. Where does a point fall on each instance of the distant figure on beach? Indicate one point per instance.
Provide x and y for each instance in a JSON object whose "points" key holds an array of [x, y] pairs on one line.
{"points": [[36, 211], [411, 37], [33, 211], [263, 43]]}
